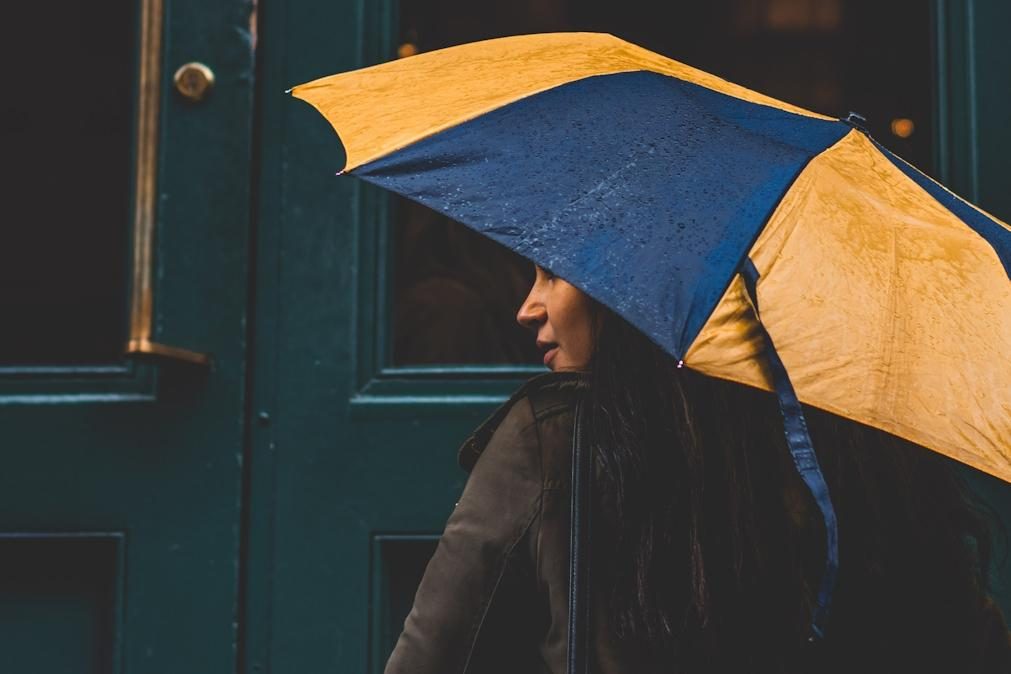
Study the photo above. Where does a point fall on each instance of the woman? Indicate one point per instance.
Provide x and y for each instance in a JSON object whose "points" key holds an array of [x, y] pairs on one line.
{"points": [[708, 549]]}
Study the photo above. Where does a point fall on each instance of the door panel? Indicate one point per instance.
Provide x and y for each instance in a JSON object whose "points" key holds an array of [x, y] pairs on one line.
{"points": [[120, 499], [60, 590]]}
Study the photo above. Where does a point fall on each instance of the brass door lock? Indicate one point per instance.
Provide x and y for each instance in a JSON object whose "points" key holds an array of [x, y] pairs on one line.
{"points": [[193, 81]]}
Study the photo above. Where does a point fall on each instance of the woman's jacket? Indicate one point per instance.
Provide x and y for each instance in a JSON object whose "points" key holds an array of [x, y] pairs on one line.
{"points": [[493, 598]]}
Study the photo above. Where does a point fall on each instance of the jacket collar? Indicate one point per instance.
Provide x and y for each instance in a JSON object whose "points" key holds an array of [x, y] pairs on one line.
{"points": [[472, 447]]}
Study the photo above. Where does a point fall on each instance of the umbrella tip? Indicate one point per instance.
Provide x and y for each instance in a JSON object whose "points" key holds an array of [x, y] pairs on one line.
{"points": [[857, 121], [340, 173], [288, 91], [681, 364]]}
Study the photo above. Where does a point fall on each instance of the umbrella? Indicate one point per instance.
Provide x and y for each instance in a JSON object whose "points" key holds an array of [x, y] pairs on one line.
{"points": [[753, 240]]}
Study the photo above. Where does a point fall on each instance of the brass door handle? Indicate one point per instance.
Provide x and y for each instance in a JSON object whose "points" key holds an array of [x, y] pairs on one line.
{"points": [[145, 347], [193, 80]]}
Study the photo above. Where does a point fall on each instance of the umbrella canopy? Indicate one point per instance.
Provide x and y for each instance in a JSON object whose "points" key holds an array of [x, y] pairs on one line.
{"points": [[646, 183], [683, 202]]}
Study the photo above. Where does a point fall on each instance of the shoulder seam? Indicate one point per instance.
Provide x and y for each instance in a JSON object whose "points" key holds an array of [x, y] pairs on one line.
{"points": [[550, 411], [472, 447]]}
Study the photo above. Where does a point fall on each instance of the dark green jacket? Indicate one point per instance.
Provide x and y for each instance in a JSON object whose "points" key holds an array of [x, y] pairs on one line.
{"points": [[494, 596]]}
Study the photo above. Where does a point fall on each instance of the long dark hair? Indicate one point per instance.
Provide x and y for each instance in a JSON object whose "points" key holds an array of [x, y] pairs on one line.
{"points": [[714, 548]]}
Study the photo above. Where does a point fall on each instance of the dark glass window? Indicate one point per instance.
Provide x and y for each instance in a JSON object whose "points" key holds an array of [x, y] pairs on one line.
{"points": [[455, 294], [65, 124]]}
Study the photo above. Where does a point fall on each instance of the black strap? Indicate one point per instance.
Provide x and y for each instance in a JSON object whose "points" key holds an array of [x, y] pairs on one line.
{"points": [[804, 458], [579, 549]]}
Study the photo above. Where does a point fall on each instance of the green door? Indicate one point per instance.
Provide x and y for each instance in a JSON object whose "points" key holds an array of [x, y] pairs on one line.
{"points": [[126, 228], [156, 517], [365, 385]]}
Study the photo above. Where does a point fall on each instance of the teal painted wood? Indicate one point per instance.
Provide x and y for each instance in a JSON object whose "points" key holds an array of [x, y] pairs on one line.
{"points": [[974, 101], [990, 75], [62, 590], [153, 459], [350, 450], [955, 99], [974, 154]]}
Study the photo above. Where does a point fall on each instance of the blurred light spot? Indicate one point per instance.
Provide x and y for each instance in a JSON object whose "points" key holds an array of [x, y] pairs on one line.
{"points": [[903, 127], [802, 15], [406, 49], [826, 94]]}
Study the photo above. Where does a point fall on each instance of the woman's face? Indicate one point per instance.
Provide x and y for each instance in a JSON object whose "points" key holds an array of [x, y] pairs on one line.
{"points": [[561, 317]]}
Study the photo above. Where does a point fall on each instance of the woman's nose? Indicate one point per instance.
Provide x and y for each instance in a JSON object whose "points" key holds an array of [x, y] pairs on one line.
{"points": [[531, 313]]}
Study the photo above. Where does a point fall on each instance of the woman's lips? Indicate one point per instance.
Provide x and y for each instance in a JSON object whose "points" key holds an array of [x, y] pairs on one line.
{"points": [[549, 355]]}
